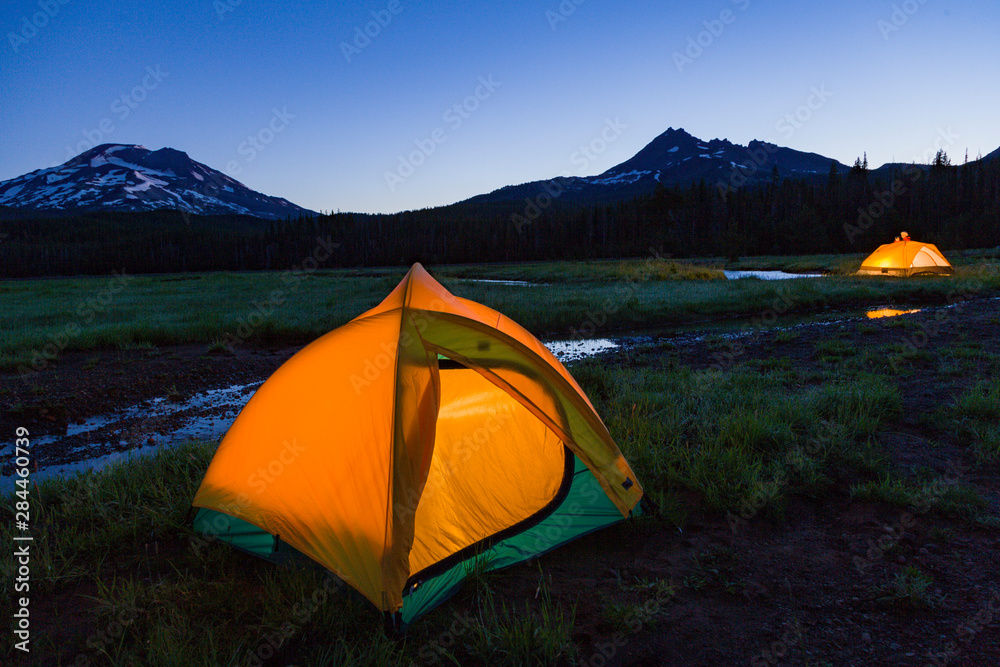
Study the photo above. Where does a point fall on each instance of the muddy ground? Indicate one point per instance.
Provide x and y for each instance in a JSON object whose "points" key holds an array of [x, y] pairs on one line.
{"points": [[805, 589]]}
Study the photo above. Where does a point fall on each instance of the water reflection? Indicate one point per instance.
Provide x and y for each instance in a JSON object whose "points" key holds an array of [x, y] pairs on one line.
{"points": [[491, 281], [571, 350], [889, 312], [769, 275]]}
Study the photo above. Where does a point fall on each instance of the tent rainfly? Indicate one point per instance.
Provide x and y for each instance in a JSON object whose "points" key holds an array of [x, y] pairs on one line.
{"points": [[426, 433], [905, 257]]}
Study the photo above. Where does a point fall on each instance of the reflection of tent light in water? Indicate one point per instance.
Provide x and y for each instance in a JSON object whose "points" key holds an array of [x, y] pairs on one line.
{"points": [[889, 312], [906, 257]]}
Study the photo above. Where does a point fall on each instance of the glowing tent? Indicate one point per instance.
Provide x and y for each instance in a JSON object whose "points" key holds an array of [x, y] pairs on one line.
{"points": [[905, 257], [427, 432]]}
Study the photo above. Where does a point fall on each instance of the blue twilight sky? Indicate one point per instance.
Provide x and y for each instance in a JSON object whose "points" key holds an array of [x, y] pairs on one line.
{"points": [[294, 100]]}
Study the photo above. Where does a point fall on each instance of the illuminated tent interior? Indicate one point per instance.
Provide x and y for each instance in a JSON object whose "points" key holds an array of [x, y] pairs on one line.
{"points": [[906, 258], [397, 449]]}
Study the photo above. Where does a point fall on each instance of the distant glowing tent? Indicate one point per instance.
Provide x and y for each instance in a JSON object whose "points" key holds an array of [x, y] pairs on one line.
{"points": [[905, 258], [423, 434]]}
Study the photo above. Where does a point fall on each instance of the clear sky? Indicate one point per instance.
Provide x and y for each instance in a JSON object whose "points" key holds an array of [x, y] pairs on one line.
{"points": [[295, 100]]}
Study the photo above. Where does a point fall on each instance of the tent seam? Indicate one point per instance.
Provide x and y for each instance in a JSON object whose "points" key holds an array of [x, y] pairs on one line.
{"points": [[389, 522]]}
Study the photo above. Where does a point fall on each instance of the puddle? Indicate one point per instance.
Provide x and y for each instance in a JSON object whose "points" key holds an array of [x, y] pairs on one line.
{"points": [[572, 350], [737, 328], [146, 426], [516, 283], [889, 312], [769, 275]]}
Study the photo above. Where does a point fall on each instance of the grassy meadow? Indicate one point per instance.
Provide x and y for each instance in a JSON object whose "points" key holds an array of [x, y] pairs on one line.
{"points": [[115, 556], [45, 317]]}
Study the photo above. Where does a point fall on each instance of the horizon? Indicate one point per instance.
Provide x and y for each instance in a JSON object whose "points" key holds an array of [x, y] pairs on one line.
{"points": [[350, 108]]}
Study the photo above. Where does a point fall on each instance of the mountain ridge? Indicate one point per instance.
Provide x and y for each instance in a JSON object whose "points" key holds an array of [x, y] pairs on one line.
{"points": [[675, 157], [130, 177]]}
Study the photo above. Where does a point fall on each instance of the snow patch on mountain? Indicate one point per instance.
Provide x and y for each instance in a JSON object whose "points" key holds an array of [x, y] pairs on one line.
{"points": [[620, 179], [144, 184]]}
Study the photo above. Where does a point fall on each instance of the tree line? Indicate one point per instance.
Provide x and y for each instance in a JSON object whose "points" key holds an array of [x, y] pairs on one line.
{"points": [[953, 206]]}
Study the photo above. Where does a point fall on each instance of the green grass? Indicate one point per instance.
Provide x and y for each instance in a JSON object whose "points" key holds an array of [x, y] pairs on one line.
{"points": [[827, 264], [786, 336], [100, 517], [947, 497], [739, 437], [535, 634], [909, 589], [633, 270], [646, 600], [977, 414], [834, 350], [713, 567]]}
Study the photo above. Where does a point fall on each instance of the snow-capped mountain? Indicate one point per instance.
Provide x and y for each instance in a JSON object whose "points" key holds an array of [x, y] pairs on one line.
{"points": [[119, 177], [676, 157]]}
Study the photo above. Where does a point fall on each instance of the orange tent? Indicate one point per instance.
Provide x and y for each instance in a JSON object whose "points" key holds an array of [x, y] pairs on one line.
{"points": [[426, 432], [906, 258]]}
